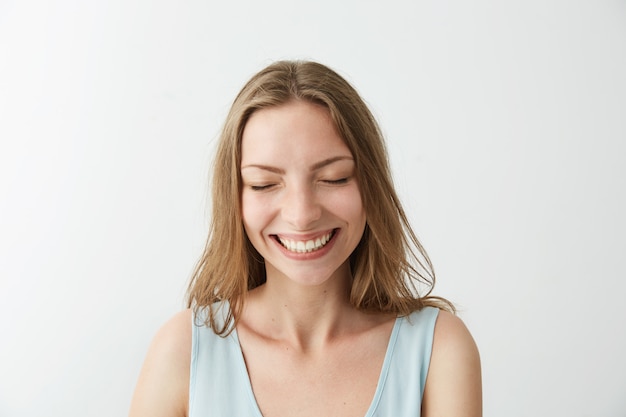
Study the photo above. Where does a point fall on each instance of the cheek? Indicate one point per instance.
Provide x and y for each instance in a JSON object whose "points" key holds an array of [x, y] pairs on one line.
{"points": [[247, 212], [253, 212], [246, 208], [349, 206]]}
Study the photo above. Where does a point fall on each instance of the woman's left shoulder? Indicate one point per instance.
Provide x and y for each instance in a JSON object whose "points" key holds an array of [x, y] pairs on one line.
{"points": [[451, 335], [453, 386]]}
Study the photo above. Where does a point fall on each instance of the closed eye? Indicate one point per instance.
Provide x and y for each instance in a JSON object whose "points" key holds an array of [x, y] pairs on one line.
{"points": [[337, 181], [261, 187]]}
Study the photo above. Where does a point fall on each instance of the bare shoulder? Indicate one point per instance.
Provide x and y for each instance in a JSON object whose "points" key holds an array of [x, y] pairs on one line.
{"points": [[163, 386], [453, 386]]}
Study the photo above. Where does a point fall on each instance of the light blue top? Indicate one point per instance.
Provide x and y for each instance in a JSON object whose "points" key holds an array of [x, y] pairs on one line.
{"points": [[219, 384]]}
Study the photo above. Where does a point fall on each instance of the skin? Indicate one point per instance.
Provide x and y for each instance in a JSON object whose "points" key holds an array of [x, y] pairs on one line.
{"points": [[299, 184], [308, 351], [163, 386]]}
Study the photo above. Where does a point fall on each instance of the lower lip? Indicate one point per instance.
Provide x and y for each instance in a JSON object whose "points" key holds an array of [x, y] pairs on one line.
{"points": [[305, 256]]}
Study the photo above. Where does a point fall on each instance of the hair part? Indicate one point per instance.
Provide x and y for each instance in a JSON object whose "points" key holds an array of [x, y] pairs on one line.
{"points": [[389, 264]]}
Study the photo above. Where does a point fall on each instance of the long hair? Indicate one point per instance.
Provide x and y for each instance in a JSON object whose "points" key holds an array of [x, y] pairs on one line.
{"points": [[390, 266]]}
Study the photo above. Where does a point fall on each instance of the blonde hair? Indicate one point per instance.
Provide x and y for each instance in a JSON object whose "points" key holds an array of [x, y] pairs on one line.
{"points": [[389, 262]]}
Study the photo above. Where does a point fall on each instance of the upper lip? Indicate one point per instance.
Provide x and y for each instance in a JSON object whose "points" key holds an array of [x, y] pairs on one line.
{"points": [[304, 237]]}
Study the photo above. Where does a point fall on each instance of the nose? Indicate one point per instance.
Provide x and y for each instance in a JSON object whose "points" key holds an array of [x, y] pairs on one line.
{"points": [[301, 208]]}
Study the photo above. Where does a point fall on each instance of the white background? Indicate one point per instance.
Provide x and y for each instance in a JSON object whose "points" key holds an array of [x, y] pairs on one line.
{"points": [[506, 123]]}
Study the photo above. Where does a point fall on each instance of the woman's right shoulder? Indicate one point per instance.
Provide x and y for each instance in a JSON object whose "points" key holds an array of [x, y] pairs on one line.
{"points": [[163, 386], [178, 325], [173, 340]]}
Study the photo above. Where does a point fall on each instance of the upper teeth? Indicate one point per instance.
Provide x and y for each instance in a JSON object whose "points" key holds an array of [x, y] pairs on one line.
{"points": [[305, 246]]}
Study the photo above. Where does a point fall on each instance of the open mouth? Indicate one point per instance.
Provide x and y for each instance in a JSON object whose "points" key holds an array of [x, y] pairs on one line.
{"points": [[305, 246]]}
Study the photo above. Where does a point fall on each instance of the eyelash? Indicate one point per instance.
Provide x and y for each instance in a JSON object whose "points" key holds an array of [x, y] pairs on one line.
{"points": [[339, 181], [261, 187]]}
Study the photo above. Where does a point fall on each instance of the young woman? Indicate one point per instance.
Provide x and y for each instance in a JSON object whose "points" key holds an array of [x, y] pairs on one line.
{"points": [[306, 301]]}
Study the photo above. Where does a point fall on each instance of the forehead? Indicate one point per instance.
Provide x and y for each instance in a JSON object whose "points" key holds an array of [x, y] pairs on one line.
{"points": [[296, 132]]}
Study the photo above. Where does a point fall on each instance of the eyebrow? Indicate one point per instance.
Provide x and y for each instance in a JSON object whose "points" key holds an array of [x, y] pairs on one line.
{"points": [[314, 167]]}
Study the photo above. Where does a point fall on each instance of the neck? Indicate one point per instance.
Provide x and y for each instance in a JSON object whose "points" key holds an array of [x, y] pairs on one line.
{"points": [[305, 316]]}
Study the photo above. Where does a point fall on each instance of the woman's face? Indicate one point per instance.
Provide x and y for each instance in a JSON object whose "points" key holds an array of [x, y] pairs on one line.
{"points": [[301, 204]]}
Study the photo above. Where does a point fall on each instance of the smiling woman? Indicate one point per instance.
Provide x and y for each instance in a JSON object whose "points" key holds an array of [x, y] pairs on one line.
{"points": [[306, 300], [300, 193]]}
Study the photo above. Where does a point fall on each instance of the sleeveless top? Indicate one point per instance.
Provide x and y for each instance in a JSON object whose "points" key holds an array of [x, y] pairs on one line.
{"points": [[219, 384]]}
